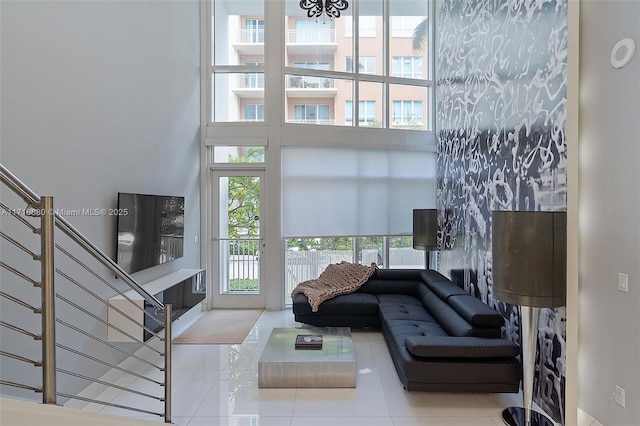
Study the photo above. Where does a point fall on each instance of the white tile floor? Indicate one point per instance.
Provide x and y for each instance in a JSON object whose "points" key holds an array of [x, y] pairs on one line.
{"points": [[218, 385]]}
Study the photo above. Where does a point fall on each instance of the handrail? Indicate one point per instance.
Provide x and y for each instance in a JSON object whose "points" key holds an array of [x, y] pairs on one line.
{"points": [[18, 186], [43, 208], [29, 196]]}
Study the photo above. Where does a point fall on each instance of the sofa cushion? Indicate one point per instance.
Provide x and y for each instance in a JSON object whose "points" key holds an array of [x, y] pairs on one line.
{"points": [[399, 274], [353, 304], [401, 329], [476, 312], [460, 347], [378, 286], [446, 289], [433, 276], [404, 299], [446, 316], [401, 311]]}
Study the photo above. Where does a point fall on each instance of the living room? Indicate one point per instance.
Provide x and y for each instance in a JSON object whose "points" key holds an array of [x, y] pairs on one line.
{"points": [[105, 97]]}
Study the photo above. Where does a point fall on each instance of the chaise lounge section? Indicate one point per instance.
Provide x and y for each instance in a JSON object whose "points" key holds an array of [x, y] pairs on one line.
{"points": [[441, 338]]}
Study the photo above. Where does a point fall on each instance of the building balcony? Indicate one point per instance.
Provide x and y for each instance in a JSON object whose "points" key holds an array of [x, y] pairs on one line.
{"points": [[315, 42], [318, 121], [248, 42], [248, 85], [310, 87]]}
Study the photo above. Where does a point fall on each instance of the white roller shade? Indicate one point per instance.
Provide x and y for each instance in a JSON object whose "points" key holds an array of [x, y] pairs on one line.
{"points": [[353, 192]]}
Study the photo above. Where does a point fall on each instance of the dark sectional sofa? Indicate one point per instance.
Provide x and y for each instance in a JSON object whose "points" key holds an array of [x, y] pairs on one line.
{"points": [[441, 338]]}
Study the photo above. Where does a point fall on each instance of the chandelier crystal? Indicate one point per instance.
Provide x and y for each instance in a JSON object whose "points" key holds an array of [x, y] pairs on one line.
{"points": [[318, 8]]}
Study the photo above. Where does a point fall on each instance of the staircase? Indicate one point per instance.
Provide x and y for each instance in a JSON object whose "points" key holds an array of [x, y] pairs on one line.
{"points": [[54, 298]]}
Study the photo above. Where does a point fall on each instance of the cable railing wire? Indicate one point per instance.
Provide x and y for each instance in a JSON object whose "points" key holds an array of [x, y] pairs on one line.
{"points": [[109, 404], [108, 364], [97, 318], [19, 302], [21, 358], [105, 302], [119, 292], [20, 246], [104, 342]]}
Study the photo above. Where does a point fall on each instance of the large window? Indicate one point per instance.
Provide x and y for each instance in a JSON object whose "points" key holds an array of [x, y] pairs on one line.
{"points": [[320, 62], [306, 258], [346, 192], [341, 113]]}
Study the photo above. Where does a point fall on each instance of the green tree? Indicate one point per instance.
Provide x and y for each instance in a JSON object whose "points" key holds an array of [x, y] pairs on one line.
{"points": [[244, 197], [243, 206]]}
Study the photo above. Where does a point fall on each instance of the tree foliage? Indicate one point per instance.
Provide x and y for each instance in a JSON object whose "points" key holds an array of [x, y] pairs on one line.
{"points": [[419, 37], [244, 197]]}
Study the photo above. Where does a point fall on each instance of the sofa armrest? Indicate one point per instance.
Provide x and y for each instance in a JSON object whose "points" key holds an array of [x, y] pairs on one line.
{"points": [[460, 347]]}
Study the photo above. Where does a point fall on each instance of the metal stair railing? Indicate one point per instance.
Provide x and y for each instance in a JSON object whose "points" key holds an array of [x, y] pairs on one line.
{"points": [[78, 365]]}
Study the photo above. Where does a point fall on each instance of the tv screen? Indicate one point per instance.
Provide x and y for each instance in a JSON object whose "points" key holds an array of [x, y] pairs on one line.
{"points": [[150, 230]]}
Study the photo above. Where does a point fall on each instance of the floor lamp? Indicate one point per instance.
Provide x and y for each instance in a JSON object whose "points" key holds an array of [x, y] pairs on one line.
{"points": [[529, 270], [425, 231]]}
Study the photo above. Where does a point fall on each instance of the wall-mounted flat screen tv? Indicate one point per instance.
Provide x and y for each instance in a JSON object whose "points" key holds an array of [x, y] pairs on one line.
{"points": [[150, 230]]}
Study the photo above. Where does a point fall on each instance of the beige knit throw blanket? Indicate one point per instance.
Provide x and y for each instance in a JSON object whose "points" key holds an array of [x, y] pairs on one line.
{"points": [[336, 279]]}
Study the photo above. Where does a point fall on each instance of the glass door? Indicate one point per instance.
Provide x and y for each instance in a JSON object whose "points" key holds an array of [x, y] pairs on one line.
{"points": [[238, 248]]}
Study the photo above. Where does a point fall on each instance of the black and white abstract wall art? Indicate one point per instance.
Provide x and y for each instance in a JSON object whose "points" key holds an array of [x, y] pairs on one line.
{"points": [[501, 72]]}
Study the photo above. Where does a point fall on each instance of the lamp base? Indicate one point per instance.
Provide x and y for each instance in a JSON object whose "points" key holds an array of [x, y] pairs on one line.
{"points": [[514, 416]]}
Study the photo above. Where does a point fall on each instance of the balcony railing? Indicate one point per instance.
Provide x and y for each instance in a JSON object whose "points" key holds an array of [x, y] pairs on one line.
{"points": [[249, 36], [301, 82], [311, 36], [242, 257], [325, 122]]}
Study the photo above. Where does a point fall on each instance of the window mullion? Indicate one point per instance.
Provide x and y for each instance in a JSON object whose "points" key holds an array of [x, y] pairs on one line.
{"points": [[356, 64], [385, 61]]}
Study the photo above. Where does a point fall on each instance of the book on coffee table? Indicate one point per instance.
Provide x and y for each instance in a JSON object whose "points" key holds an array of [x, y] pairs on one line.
{"points": [[309, 341]]}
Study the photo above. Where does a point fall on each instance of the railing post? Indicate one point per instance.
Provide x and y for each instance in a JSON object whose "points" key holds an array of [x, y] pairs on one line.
{"points": [[48, 301], [167, 363]]}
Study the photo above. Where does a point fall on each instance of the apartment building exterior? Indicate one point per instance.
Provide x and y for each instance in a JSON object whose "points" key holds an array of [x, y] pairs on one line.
{"points": [[323, 51]]}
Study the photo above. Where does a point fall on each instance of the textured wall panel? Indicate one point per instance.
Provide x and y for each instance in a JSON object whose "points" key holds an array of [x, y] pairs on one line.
{"points": [[501, 115]]}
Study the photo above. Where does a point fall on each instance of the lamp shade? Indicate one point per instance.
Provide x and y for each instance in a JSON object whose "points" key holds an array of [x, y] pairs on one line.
{"points": [[425, 229], [530, 258]]}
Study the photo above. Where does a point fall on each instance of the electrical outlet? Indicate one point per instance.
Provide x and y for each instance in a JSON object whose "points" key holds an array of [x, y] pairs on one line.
{"points": [[619, 396], [623, 282]]}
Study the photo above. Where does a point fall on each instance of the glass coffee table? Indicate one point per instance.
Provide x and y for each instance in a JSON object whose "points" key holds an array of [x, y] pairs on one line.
{"points": [[281, 365]]}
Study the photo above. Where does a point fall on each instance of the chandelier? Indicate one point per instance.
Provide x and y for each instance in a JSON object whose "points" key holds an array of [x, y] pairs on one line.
{"points": [[330, 8]]}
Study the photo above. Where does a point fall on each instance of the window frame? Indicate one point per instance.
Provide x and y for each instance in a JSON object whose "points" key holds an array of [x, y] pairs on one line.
{"points": [[274, 109]]}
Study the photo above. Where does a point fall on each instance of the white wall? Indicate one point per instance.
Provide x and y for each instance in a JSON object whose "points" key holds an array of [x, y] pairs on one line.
{"points": [[99, 97], [609, 341]]}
